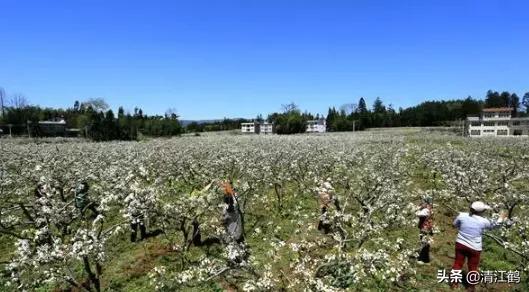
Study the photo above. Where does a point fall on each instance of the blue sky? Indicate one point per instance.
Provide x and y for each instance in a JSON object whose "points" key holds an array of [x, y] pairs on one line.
{"points": [[214, 59]]}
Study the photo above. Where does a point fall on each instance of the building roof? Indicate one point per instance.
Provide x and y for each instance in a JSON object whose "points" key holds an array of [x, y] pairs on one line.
{"points": [[472, 119], [498, 109], [62, 122], [318, 121]]}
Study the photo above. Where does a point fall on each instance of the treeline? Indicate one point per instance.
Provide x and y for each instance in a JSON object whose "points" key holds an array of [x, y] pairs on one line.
{"points": [[212, 126], [359, 116], [429, 113], [104, 126], [92, 118], [291, 120], [96, 121]]}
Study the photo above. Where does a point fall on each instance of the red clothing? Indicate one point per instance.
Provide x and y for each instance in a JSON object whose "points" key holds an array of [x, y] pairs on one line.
{"points": [[463, 252], [473, 256]]}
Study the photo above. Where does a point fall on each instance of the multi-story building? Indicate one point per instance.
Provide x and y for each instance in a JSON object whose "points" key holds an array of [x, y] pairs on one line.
{"points": [[497, 122], [313, 126], [250, 128], [257, 128], [317, 126], [266, 128], [55, 127]]}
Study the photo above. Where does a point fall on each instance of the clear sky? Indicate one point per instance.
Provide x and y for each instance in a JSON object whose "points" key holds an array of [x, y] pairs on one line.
{"points": [[214, 59]]}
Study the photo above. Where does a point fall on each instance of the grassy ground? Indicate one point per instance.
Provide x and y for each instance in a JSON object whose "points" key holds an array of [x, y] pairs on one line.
{"points": [[128, 269]]}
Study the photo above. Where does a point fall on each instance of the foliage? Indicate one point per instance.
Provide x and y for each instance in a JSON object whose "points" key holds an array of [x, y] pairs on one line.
{"points": [[290, 121], [225, 124], [425, 114], [94, 121]]}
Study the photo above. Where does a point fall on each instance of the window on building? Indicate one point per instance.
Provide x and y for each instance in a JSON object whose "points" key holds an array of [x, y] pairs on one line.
{"points": [[488, 131], [489, 115], [505, 115], [476, 124], [516, 123], [475, 132], [517, 132], [503, 123], [488, 124], [502, 133]]}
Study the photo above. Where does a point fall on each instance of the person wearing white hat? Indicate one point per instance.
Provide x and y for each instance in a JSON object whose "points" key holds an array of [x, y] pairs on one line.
{"points": [[469, 238]]}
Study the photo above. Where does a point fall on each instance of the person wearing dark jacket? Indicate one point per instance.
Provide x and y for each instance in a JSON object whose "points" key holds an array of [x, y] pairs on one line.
{"points": [[425, 215], [82, 200], [232, 218]]}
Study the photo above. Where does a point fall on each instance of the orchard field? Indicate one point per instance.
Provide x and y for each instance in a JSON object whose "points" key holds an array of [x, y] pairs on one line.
{"points": [[379, 177]]}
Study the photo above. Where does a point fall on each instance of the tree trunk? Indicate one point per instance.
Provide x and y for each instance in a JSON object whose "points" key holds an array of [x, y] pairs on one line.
{"points": [[93, 278], [277, 188]]}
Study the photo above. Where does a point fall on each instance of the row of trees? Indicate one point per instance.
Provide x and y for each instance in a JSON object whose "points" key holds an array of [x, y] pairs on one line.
{"points": [[211, 126], [98, 122], [288, 121], [506, 99], [291, 120], [93, 118], [358, 116], [104, 126], [429, 113]]}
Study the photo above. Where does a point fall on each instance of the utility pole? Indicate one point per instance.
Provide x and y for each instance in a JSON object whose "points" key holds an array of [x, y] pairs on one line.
{"points": [[10, 126], [354, 124]]}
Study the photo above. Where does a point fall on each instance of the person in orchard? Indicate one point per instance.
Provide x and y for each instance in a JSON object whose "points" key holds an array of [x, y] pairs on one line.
{"points": [[425, 215], [471, 227], [233, 219], [137, 221], [327, 198], [82, 200]]}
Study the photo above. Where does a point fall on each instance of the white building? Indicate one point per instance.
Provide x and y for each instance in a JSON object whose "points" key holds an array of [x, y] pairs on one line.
{"points": [[257, 128], [266, 128], [317, 126], [56, 127], [497, 122], [250, 128]]}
